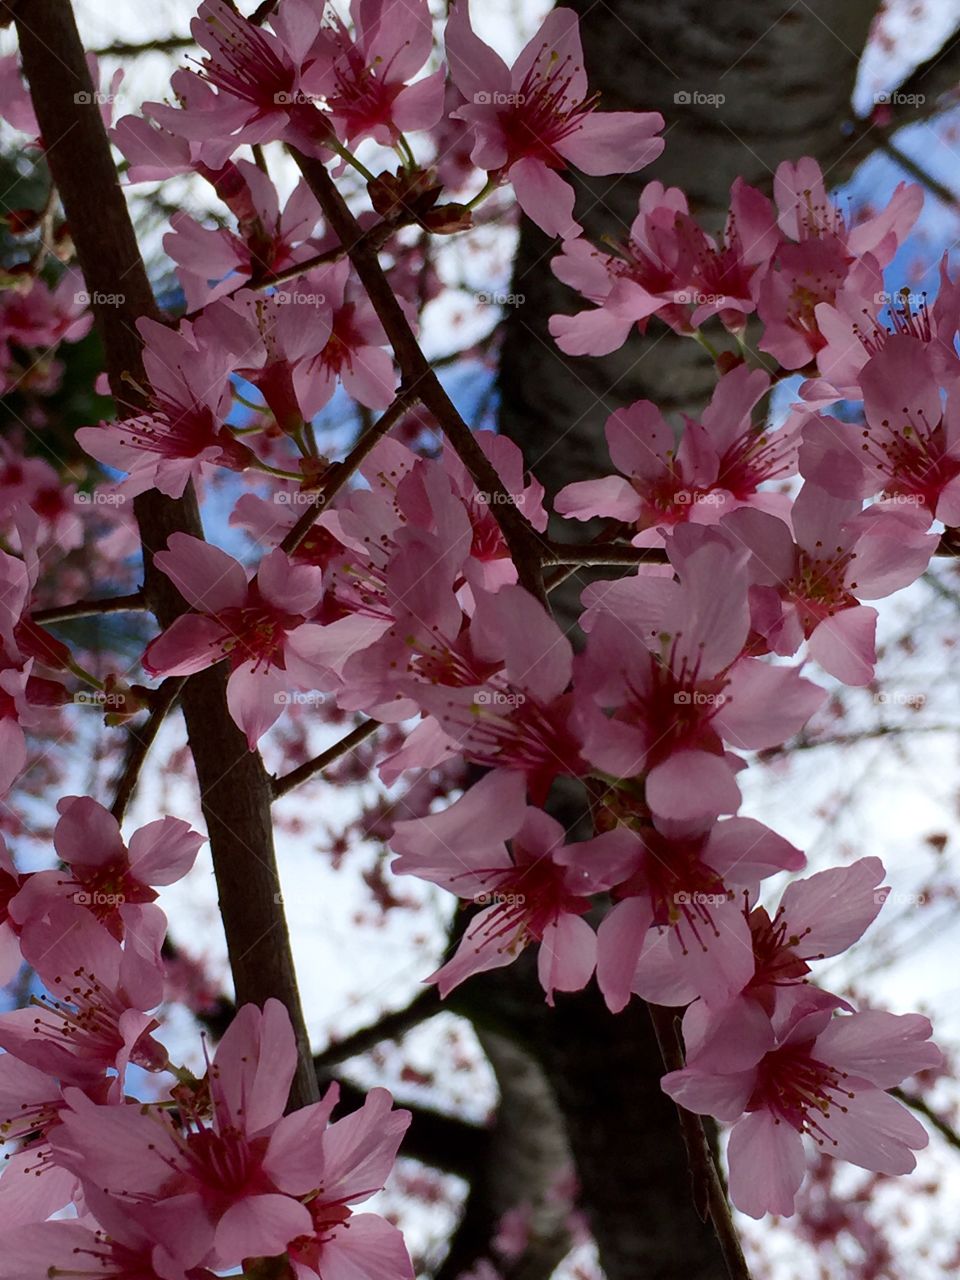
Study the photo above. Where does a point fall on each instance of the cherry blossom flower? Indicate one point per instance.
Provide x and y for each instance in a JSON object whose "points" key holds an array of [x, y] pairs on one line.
{"points": [[533, 120], [98, 1016], [646, 277], [720, 463], [257, 77], [260, 626], [668, 267], [826, 1078], [822, 260], [909, 450], [363, 79], [809, 585], [231, 1171], [818, 916], [677, 930], [853, 333], [267, 240], [535, 891], [665, 657], [113, 882], [184, 434]]}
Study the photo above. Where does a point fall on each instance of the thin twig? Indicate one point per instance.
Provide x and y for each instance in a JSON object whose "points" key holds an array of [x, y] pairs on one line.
{"points": [[305, 771], [133, 603], [709, 1197], [419, 377], [599, 554], [390, 1027], [923, 1108], [342, 471], [141, 739]]}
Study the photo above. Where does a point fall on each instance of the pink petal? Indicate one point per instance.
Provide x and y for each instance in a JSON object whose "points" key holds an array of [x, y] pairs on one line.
{"points": [[260, 1225], [205, 576], [767, 1165], [567, 956], [191, 643], [544, 197], [87, 833], [690, 785], [845, 645]]}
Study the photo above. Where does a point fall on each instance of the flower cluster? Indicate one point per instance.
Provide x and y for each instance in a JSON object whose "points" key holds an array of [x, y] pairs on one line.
{"points": [[403, 597]]}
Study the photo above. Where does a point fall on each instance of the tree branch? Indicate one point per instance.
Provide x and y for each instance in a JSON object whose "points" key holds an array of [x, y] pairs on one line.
{"points": [[418, 376], [234, 787], [295, 778], [923, 1108], [709, 1196], [342, 471], [391, 1026], [133, 603], [141, 739]]}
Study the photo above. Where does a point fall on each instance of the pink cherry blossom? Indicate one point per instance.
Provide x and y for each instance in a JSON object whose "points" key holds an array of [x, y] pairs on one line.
{"points": [[532, 121], [826, 1078], [818, 916], [822, 261], [720, 463], [853, 333], [524, 718], [677, 930], [810, 585], [212, 262], [184, 434], [260, 626], [229, 1172], [535, 891], [32, 1187], [665, 657], [357, 1154], [98, 1015], [644, 278], [668, 267], [113, 882], [257, 77], [363, 78], [909, 450]]}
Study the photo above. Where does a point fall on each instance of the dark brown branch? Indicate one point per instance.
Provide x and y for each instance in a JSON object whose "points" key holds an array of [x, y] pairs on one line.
{"points": [[418, 376], [390, 1027], [304, 772], [342, 471], [136, 602], [132, 49], [234, 787], [923, 1108], [709, 1197], [141, 739], [600, 554]]}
